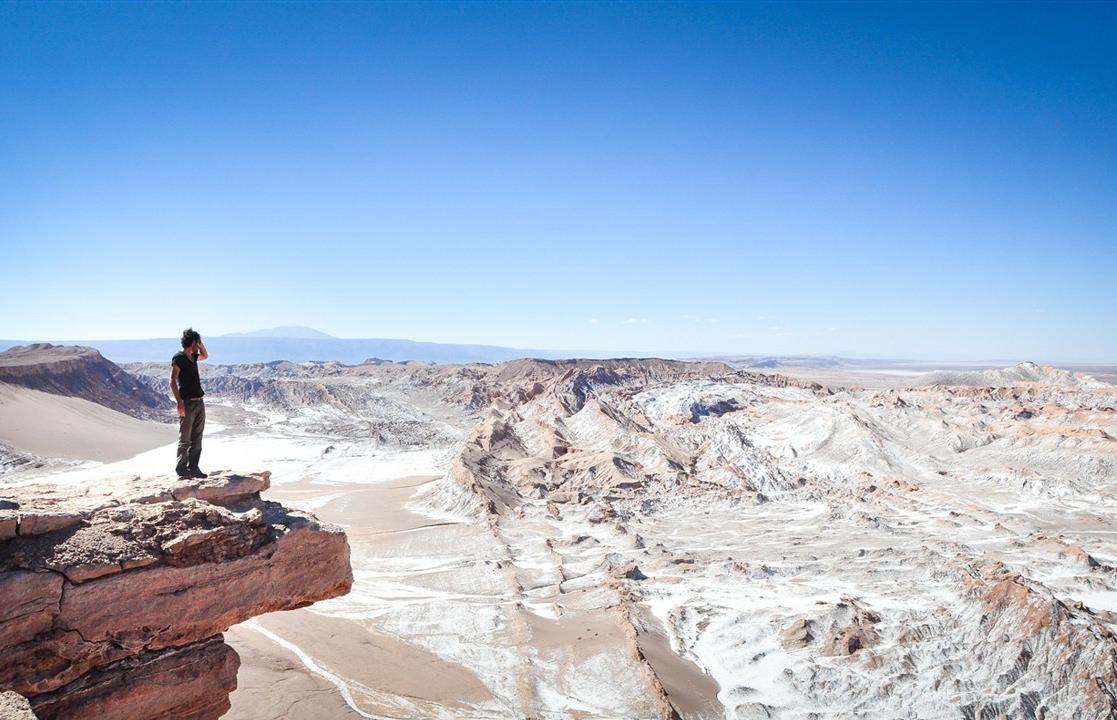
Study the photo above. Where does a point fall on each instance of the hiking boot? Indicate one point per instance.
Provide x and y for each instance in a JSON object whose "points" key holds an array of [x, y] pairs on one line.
{"points": [[196, 473]]}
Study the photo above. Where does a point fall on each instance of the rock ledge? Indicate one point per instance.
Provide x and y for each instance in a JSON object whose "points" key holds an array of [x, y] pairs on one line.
{"points": [[113, 597]]}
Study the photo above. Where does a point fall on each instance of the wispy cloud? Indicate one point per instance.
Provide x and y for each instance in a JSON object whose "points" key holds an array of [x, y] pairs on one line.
{"points": [[636, 321], [700, 320], [595, 321]]}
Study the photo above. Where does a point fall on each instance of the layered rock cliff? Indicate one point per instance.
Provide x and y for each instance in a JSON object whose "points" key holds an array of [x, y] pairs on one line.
{"points": [[113, 598], [82, 372]]}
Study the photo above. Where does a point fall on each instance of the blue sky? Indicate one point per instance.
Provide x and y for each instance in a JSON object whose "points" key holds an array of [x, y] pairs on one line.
{"points": [[911, 180]]}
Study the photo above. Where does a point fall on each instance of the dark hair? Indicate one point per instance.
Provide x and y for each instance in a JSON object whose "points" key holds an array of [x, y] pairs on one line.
{"points": [[189, 337]]}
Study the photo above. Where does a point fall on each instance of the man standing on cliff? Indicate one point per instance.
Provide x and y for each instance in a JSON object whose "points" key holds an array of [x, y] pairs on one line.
{"points": [[186, 386]]}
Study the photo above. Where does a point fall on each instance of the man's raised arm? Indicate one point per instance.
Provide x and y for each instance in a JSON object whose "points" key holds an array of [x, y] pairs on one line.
{"points": [[202, 352]]}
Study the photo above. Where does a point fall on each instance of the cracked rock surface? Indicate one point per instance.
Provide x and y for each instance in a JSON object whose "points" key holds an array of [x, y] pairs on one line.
{"points": [[113, 598]]}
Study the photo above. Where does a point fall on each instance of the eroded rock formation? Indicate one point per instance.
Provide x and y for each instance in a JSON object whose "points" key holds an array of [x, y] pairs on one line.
{"points": [[113, 598], [860, 552], [82, 372], [654, 539]]}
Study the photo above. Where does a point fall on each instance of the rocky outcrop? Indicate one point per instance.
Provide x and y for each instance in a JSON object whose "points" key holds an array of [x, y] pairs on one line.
{"points": [[184, 683], [797, 635], [857, 633], [113, 598], [1042, 641], [582, 434], [82, 372]]}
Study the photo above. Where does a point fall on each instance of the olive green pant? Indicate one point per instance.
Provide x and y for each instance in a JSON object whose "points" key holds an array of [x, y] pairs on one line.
{"points": [[190, 428]]}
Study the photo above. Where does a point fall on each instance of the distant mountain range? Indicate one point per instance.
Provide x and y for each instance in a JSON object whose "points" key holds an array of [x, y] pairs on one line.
{"points": [[303, 344], [783, 361], [300, 344], [289, 332]]}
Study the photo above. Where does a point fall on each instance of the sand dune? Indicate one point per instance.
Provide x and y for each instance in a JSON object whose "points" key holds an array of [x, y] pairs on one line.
{"points": [[56, 426]]}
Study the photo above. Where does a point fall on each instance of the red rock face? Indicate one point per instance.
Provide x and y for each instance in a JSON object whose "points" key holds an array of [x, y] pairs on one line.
{"points": [[200, 676], [116, 610]]}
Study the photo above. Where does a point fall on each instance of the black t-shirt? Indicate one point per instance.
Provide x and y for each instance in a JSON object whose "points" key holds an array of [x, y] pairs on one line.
{"points": [[189, 384]]}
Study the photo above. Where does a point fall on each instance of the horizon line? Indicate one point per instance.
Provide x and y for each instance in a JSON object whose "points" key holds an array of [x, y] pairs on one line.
{"points": [[600, 354]]}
